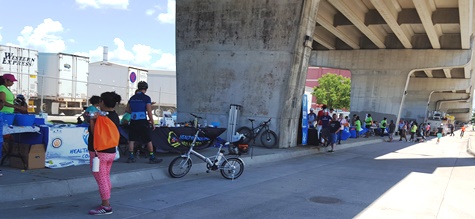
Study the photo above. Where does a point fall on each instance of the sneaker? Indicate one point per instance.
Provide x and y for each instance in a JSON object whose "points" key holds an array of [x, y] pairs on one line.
{"points": [[331, 151], [101, 210], [131, 160], [155, 160]]}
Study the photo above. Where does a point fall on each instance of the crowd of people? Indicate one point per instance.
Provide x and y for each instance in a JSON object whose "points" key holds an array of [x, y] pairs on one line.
{"points": [[327, 123], [329, 126]]}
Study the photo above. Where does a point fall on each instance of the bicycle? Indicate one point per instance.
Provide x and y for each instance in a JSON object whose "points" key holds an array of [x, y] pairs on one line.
{"points": [[229, 167], [268, 137]]}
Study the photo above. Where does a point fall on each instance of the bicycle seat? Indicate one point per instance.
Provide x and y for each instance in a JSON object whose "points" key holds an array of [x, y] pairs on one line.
{"points": [[252, 120]]}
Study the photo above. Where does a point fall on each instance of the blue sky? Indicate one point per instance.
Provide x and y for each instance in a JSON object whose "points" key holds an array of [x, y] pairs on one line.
{"points": [[137, 32]]}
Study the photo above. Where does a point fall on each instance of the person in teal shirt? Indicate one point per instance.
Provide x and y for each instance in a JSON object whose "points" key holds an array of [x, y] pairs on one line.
{"points": [[94, 101], [125, 119]]}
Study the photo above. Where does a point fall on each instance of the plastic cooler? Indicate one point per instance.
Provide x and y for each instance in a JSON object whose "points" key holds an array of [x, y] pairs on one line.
{"points": [[24, 119], [39, 121], [9, 118], [345, 134]]}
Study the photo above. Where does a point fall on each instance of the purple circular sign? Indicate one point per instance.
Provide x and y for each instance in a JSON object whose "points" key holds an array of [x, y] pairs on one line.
{"points": [[133, 77]]}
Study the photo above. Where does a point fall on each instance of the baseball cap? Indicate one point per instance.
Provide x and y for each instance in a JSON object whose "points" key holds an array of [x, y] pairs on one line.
{"points": [[9, 77]]}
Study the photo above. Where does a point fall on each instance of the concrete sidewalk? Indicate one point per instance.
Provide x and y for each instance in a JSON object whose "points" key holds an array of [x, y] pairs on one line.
{"points": [[16, 184]]}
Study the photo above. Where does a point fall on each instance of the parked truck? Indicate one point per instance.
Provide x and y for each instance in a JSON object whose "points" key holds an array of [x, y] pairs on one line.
{"points": [[62, 83], [108, 76], [23, 64], [438, 118]]}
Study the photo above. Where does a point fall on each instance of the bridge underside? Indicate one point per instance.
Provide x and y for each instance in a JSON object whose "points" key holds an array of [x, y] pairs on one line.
{"points": [[427, 26], [407, 57]]}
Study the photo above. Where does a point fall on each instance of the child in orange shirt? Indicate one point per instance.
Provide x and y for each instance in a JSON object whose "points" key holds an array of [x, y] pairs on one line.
{"points": [[463, 130]]}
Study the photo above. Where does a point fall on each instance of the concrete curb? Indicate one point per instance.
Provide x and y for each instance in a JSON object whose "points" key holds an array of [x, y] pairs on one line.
{"points": [[60, 188]]}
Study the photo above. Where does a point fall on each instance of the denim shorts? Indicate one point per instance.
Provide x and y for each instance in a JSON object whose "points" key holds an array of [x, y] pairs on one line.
{"points": [[333, 137]]}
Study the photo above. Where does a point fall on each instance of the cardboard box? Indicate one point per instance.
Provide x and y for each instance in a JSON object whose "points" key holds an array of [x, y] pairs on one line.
{"points": [[33, 155]]}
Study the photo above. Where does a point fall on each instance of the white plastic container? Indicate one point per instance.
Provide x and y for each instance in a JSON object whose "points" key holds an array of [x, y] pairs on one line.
{"points": [[95, 164]]}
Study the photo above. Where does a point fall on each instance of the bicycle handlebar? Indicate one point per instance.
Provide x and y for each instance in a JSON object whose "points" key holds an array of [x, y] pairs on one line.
{"points": [[198, 117], [268, 121]]}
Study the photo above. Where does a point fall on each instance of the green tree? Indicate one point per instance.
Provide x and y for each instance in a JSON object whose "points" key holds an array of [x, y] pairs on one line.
{"points": [[333, 91]]}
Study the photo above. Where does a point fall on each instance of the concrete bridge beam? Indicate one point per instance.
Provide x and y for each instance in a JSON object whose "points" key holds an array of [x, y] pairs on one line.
{"points": [[446, 106], [419, 91], [381, 78]]}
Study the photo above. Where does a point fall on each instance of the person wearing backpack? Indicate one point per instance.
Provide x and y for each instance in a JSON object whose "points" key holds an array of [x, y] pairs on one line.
{"points": [[106, 154]]}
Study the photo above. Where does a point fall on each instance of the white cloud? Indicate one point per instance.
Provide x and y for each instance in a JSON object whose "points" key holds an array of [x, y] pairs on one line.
{"points": [[121, 53], [141, 56], [166, 62], [168, 17], [143, 53], [118, 4], [45, 37], [150, 12]]}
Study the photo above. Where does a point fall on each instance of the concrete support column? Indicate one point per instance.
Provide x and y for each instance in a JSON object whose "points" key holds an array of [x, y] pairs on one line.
{"points": [[290, 115], [248, 52]]}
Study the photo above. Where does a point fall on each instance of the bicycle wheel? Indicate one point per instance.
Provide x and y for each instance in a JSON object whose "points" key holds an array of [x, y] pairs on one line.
{"points": [[269, 139], [246, 131], [179, 167], [232, 168]]}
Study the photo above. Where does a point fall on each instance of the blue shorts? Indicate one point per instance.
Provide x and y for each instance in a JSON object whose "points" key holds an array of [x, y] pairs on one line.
{"points": [[333, 138], [439, 135]]}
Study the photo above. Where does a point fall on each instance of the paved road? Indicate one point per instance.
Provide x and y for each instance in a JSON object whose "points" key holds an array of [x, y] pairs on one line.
{"points": [[384, 180]]}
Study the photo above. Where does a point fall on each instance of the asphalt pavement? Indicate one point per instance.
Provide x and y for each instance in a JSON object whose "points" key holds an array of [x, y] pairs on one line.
{"points": [[17, 185]]}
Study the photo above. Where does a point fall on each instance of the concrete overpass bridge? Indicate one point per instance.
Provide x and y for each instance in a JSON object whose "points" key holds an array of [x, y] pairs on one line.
{"points": [[407, 57]]}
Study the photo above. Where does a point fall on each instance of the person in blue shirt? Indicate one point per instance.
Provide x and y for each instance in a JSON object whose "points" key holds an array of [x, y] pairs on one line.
{"points": [[140, 128], [1, 133]]}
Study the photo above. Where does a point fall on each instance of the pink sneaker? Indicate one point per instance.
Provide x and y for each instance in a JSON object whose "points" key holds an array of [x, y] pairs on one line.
{"points": [[101, 210]]}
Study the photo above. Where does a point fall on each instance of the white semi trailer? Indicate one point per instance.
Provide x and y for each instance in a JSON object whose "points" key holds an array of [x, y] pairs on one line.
{"points": [[108, 76], [62, 83], [23, 64], [162, 90]]}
